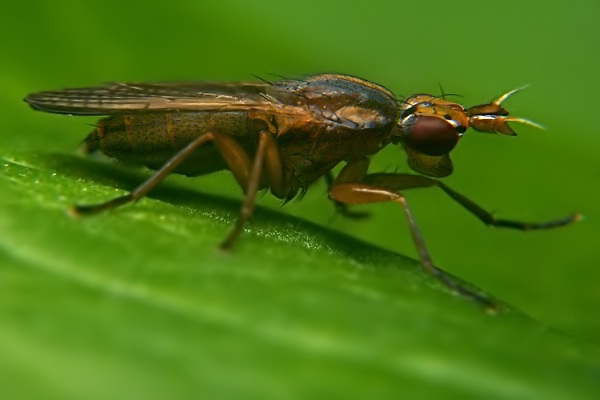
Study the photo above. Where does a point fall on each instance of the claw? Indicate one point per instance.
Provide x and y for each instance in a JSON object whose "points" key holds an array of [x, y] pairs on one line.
{"points": [[526, 122], [493, 118], [506, 95]]}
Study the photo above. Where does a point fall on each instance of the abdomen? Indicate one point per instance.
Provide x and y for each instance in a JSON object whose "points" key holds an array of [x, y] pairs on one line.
{"points": [[151, 139]]}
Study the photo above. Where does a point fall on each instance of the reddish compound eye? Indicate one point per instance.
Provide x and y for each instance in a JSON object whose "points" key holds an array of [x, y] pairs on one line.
{"points": [[430, 135]]}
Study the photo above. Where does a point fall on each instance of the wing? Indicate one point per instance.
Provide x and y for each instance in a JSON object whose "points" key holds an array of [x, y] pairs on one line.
{"points": [[128, 98]]}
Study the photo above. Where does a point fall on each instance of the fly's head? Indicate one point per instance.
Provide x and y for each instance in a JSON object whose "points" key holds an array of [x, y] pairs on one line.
{"points": [[430, 127]]}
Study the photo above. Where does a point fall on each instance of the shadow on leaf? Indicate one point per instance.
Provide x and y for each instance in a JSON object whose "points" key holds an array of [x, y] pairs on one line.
{"points": [[126, 178]]}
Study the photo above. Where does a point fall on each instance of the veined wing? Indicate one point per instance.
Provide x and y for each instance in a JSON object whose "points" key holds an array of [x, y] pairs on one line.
{"points": [[128, 98]]}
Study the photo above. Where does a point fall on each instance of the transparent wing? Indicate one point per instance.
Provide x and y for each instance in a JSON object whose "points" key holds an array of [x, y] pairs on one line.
{"points": [[127, 98]]}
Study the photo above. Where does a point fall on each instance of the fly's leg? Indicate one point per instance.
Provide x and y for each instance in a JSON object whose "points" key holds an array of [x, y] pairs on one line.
{"points": [[267, 154], [247, 174], [340, 207], [409, 181], [385, 187], [151, 182], [363, 193]]}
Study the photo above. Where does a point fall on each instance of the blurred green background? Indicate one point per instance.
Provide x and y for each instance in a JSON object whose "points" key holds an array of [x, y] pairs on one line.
{"points": [[75, 295]]}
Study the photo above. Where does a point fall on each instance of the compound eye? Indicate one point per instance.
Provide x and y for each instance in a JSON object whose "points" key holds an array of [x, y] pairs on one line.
{"points": [[431, 135]]}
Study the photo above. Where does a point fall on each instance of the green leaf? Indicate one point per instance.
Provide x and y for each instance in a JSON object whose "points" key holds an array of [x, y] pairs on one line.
{"points": [[138, 303]]}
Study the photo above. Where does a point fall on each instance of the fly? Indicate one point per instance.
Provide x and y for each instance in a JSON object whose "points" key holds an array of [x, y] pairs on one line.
{"points": [[284, 136]]}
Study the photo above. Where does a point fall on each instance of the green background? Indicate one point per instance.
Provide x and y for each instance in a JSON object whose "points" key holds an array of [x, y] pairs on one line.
{"points": [[138, 303]]}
